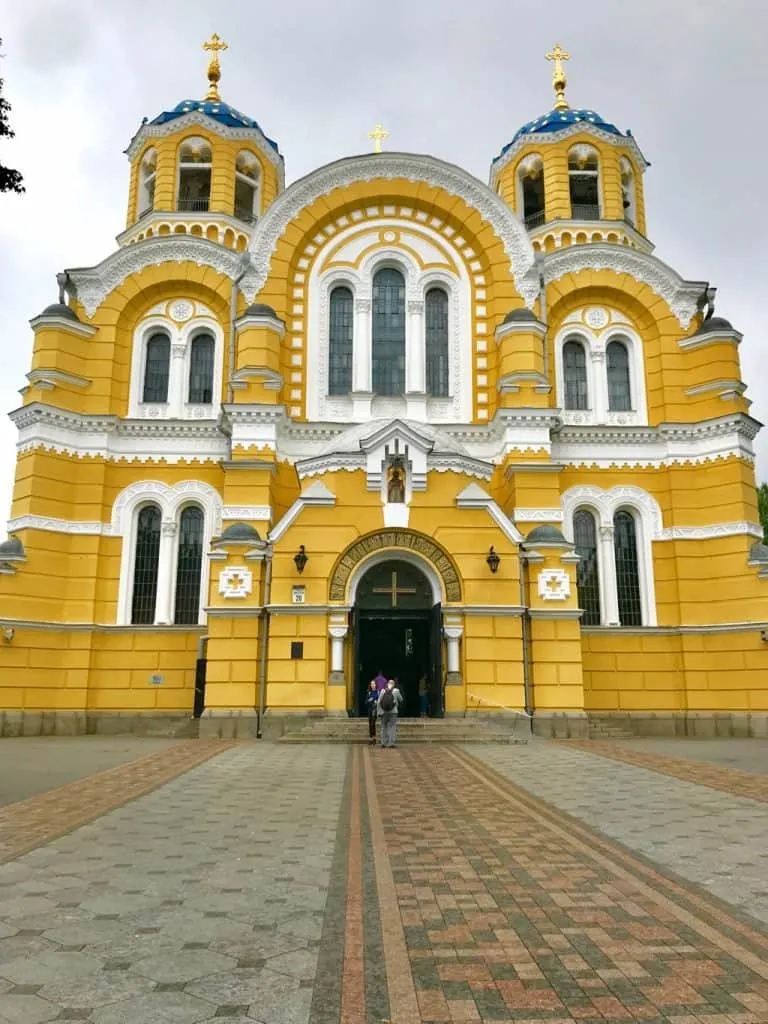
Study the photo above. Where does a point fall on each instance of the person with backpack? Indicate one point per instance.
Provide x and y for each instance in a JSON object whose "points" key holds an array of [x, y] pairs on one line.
{"points": [[389, 707]]}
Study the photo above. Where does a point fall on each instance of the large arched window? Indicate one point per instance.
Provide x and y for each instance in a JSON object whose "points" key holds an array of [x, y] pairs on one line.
{"points": [[617, 368], [587, 572], [388, 336], [247, 174], [436, 317], [201, 370], [195, 166], [340, 327], [145, 565], [575, 389], [627, 569], [156, 369], [189, 566], [583, 181], [531, 176], [147, 181]]}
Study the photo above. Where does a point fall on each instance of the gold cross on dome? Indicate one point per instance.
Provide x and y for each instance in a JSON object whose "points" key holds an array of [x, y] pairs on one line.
{"points": [[559, 80], [378, 134], [394, 590], [214, 44]]}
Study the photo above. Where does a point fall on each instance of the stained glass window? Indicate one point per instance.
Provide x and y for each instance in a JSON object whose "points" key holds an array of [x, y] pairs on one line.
{"points": [[575, 375], [619, 391], [188, 567], [201, 370], [156, 369], [627, 572], [145, 566], [388, 341], [587, 575], [340, 328], [436, 316]]}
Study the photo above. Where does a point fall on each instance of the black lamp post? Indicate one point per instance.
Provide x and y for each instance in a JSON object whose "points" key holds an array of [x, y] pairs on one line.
{"points": [[493, 561], [300, 558]]}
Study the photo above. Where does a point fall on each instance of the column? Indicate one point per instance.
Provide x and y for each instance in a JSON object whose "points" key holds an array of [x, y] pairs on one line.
{"points": [[338, 635], [415, 349], [177, 390], [599, 387], [165, 565], [361, 347], [453, 636], [609, 598]]}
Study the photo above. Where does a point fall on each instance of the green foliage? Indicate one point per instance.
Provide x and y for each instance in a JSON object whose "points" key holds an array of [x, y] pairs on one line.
{"points": [[10, 180], [762, 506]]}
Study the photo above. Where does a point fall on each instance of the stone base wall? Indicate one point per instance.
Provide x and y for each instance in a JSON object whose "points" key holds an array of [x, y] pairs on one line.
{"points": [[94, 723], [692, 724]]}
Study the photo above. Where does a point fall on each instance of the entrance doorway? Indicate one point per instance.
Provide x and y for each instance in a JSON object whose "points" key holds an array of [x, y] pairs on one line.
{"points": [[398, 630]]}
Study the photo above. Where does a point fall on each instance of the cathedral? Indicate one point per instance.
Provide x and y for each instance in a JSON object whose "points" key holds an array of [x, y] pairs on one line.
{"points": [[389, 418]]}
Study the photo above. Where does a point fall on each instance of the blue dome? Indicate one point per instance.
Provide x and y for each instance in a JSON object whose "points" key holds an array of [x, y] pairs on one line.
{"points": [[215, 109], [556, 120]]}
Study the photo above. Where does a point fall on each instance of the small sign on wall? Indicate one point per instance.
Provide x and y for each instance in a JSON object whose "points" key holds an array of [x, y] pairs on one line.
{"points": [[297, 650], [298, 594], [156, 680]]}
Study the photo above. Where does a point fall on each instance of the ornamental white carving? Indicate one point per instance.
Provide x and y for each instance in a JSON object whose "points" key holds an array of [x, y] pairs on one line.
{"points": [[235, 581], [388, 166], [169, 498], [554, 585], [181, 311], [247, 513], [94, 284], [537, 515], [596, 318], [607, 502], [682, 297]]}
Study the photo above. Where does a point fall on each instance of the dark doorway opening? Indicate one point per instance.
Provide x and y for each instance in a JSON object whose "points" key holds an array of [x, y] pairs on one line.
{"points": [[398, 630]]}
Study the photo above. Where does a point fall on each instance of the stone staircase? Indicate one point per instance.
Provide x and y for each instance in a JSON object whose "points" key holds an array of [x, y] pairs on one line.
{"points": [[412, 730]]}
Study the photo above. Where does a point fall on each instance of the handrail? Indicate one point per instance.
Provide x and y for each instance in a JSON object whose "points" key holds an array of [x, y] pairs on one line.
{"points": [[493, 704]]}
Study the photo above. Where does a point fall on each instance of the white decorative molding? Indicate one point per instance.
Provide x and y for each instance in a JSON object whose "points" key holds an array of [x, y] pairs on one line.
{"points": [[235, 581], [724, 388], [554, 585], [54, 525], [47, 380], [170, 497], [390, 166], [715, 336], [63, 323], [247, 513], [712, 531], [317, 494], [537, 515], [683, 297], [473, 496], [93, 284], [608, 502]]}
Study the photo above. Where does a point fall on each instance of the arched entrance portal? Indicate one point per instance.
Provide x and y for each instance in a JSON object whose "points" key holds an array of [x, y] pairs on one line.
{"points": [[397, 629]]}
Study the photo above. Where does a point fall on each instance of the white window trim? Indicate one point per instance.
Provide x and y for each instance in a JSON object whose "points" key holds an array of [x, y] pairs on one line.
{"points": [[144, 180], [631, 210], [597, 173], [171, 500], [519, 190], [597, 376], [180, 336], [182, 165], [604, 504]]}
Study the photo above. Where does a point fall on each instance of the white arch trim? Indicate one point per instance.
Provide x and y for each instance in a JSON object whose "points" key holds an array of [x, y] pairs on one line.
{"points": [[395, 554], [606, 504], [389, 166]]}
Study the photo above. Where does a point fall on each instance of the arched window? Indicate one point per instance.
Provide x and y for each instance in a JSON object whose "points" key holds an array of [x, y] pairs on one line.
{"points": [[201, 370], [531, 176], [147, 182], [627, 570], [583, 175], [195, 165], [247, 176], [156, 369], [617, 368], [576, 391], [189, 567], [388, 336], [587, 574], [340, 327], [628, 192], [436, 318], [145, 566]]}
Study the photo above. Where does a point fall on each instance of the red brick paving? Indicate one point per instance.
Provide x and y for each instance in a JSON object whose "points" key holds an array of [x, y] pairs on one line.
{"points": [[30, 823], [728, 780]]}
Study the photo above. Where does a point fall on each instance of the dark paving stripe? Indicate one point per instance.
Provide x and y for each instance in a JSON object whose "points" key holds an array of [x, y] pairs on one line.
{"points": [[377, 998], [326, 994]]}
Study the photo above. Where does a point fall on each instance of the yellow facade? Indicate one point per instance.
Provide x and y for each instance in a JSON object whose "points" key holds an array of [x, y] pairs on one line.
{"points": [[387, 414]]}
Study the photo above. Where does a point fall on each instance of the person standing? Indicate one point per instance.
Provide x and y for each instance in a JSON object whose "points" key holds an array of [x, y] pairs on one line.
{"points": [[389, 709], [372, 708], [423, 697], [381, 682]]}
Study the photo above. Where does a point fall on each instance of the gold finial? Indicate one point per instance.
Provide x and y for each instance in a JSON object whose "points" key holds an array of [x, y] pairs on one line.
{"points": [[558, 55], [214, 44], [377, 135]]}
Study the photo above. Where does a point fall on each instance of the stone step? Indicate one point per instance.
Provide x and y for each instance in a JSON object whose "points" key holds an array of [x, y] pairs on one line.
{"points": [[438, 730], [467, 737]]}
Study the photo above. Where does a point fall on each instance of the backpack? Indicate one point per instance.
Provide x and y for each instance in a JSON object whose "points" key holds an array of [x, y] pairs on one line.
{"points": [[387, 701]]}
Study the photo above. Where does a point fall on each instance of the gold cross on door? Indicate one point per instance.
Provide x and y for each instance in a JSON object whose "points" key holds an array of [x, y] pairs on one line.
{"points": [[394, 590]]}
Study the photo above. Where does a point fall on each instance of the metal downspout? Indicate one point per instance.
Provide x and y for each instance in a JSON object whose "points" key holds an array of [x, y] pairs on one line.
{"points": [[264, 639], [526, 630], [543, 316]]}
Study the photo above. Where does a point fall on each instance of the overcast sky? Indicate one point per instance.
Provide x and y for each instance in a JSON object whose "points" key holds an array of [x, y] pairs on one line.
{"points": [[447, 77]]}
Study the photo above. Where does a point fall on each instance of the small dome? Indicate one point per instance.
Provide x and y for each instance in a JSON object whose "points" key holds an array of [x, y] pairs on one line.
{"points": [[215, 109], [556, 120], [260, 309], [241, 532], [11, 549], [758, 552], [715, 324], [519, 315], [60, 309], [546, 535]]}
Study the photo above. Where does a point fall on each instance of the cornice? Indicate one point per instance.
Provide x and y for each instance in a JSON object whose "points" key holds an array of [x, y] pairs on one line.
{"points": [[62, 323], [545, 139], [91, 285], [48, 379], [390, 166], [603, 225], [712, 337], [684, 298]]}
